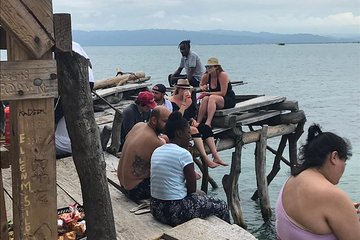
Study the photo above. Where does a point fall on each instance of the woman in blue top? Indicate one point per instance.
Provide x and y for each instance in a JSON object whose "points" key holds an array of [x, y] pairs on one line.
{"points": [[174, 199], [217, 91]]}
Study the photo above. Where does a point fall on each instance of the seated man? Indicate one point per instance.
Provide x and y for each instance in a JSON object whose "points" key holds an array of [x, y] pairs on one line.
{"points": [[134, 165], [139, 111]]}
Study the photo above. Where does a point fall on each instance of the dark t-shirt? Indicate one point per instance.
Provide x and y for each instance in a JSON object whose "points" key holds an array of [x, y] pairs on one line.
{"points": [[131, 116]]}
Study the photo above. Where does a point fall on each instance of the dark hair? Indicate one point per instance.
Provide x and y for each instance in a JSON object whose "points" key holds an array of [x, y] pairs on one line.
{"points": [[175, 122], [185, 42], [319, 145]]}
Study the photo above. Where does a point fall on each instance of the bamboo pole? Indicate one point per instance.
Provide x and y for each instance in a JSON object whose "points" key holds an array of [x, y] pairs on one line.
{"points": [[260, 168]]}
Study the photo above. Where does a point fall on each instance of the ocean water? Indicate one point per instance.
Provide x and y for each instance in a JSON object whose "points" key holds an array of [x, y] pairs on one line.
{"points": [[323, 78]]}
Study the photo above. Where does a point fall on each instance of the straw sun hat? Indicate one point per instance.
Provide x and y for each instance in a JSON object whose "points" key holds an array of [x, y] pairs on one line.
{"points": [[213, 62], [183, 83]]}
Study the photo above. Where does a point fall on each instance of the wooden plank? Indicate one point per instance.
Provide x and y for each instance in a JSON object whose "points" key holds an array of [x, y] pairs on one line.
{"points": [[62, 32], [251, 104], [34, 79], [249, 118], [211, 228], [118, 89], [16, 18], [42, 9], [128, 225]]}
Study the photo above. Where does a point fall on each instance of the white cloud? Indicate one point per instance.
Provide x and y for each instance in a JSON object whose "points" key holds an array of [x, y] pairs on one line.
{"points": [[283, 16]]}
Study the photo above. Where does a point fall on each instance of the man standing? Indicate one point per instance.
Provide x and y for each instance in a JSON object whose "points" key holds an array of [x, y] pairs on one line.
{"points": [[134, 165], [137, 112], [192, 64], [159, 91]]}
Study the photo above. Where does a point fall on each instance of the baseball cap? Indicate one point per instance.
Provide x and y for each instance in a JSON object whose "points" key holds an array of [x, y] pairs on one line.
{"points": [[147, 98], [160, 88]]}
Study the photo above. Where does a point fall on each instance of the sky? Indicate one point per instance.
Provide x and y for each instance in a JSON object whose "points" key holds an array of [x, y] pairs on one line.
{"points": [[324, 17]]}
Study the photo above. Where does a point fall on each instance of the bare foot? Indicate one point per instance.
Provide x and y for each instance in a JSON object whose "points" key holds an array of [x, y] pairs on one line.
{"points": [[212, 164], [198, 175], [220, 162]]}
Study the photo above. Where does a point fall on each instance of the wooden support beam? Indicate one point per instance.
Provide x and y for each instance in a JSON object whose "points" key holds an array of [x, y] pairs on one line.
{"points": [[204, 183], [276, 165], [15, 17], [85, 141], [253, 136], [32, 142], [251, 104], [260, 169], [230, 184], [285, 105], [62, 32], [115, 134], [35, 79], [293, 138]]}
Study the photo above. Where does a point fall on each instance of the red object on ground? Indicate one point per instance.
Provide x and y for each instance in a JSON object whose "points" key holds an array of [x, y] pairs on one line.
{"points": [[7, 127]]}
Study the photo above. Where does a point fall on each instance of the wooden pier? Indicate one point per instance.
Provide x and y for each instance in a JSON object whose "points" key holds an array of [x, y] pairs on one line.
{"points": [[254, 119], [36, 185]]}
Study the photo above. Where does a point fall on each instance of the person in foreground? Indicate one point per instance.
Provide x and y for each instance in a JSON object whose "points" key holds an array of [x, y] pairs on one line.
{"points": [[134, 165], [216, 93], [309, 205], [174, 199]]}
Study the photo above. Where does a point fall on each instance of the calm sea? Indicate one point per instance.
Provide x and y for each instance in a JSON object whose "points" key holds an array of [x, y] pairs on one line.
{"points": [[323, 78]]}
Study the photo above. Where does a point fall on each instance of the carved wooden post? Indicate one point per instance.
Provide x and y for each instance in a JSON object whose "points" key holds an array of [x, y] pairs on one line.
{"points": [[260, 168], [230, 183], [30, 37]]}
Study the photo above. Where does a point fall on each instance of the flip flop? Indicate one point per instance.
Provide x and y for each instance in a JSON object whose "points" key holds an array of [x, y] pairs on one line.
{"points": [[142, 211], [139, 207]]}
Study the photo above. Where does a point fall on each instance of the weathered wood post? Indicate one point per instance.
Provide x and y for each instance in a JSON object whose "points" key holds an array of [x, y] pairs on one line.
{"points": [[85, 141], [115, 134], [276, 165], [230, 184], [31, 86], [260, 169]]}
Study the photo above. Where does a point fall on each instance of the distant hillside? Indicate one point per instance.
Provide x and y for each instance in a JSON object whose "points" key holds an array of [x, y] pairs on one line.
{"points": [[151, 37]]}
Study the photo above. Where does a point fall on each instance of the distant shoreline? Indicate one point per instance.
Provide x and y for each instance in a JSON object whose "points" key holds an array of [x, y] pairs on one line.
{"points": [[164, 37]]}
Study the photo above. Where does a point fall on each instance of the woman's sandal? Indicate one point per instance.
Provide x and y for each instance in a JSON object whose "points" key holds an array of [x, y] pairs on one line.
{"points": [[139, 207]]}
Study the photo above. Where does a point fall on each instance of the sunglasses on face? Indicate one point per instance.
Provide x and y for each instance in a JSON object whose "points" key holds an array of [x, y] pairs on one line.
{"points": [[209, 67]]}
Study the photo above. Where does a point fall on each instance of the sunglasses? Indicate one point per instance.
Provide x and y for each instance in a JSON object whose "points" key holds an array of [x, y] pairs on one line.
{"points": [[209, 66]]}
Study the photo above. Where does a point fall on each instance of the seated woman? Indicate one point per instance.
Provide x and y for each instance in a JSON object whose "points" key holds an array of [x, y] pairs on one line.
{"points": [[310, 206], [182, 102], [217, 91], [174, 199]]}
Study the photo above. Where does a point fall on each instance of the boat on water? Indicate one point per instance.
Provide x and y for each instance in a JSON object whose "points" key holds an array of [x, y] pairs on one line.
{"points": [[281, 44]]}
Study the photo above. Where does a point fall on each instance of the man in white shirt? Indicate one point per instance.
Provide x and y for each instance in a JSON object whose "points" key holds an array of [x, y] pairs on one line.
{"points": [[159, 91]]}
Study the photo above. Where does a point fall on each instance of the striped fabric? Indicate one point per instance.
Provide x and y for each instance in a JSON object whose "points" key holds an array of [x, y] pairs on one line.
{"points": [[167, 176]]}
